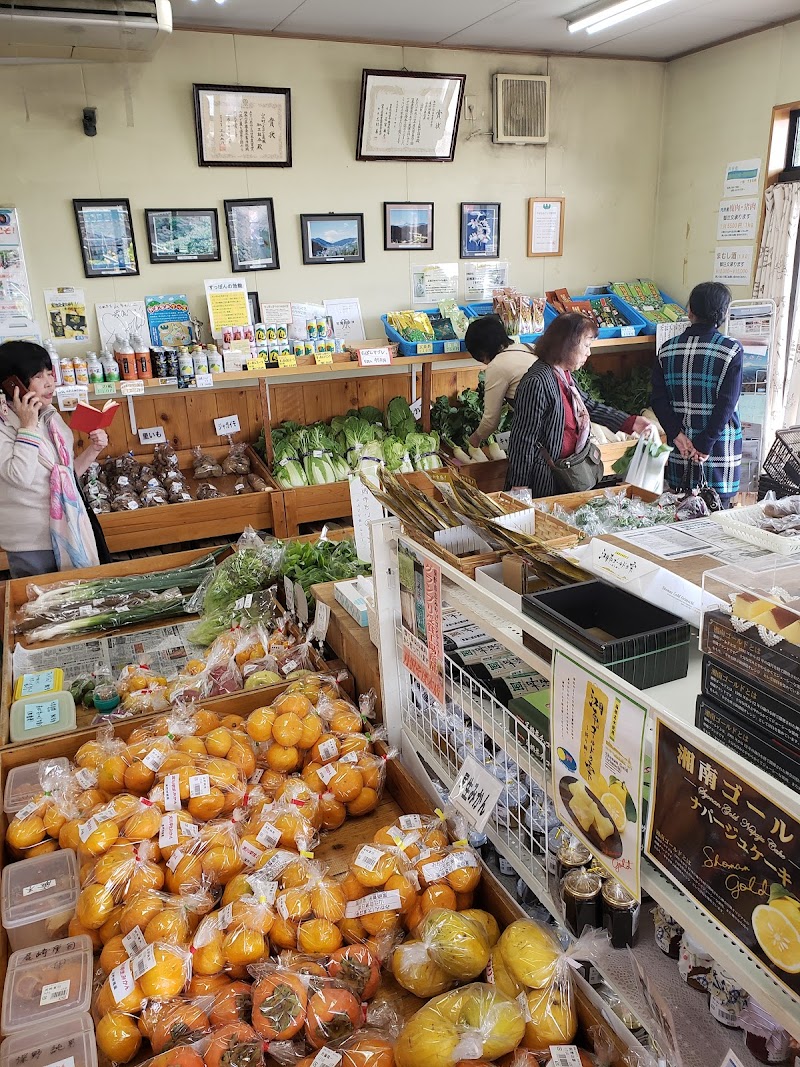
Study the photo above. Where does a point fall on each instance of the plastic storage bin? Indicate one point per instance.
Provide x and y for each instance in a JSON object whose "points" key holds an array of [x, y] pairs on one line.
{"points": [[637, 322], [477, 311], [22, 783], [422, 348], [643, 644], [46, 715], [69, 1042], [45, 986], [38, 898], [650, 327]]}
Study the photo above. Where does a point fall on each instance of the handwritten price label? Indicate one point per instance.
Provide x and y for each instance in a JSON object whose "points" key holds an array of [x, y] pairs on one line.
{"points": [[450, 346], [475, 792], [287, 359], [135, 388], [425, 349], [375, 357], [105, 389], [152, 435], [227, 425], [204, 381], [321, 358]]}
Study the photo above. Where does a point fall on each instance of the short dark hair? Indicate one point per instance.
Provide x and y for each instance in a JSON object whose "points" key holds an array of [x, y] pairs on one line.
{"points": [[23, 358], [486, 337], [562, 335], [709, 302]]}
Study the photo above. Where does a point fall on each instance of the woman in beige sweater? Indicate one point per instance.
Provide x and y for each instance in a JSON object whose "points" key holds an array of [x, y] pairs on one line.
{"points": [[506, 365]]}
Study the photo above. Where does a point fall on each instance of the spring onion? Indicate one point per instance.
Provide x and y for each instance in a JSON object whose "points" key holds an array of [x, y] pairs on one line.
{"points": [[166, 607]]}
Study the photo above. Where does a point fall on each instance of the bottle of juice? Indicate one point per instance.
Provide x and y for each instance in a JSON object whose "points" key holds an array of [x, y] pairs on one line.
{"points": [[81, 370], [95, 368], [141, 351], [110, 366], [124, 355], [67, 371]]}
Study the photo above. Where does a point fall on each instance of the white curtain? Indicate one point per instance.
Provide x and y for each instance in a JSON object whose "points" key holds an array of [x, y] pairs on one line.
{"points": [[775, 275]]}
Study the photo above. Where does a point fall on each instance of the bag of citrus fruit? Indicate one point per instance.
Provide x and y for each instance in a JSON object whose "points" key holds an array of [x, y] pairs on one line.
{"points": [[35, 829], [206, 786], [209, 859], [450, 947]]}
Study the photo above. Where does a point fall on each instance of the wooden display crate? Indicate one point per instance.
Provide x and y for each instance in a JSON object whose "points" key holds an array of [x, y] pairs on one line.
{"points": [[404, 795], [572, 501], [315, 503], [166, 525], [491, 475]]}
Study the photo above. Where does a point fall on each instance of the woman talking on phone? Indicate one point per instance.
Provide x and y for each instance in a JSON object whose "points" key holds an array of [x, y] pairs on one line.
{"points": [[44, 523]]}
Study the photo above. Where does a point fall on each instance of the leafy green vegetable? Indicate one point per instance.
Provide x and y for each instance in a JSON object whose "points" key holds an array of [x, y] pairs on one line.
{"points": [[400, 419], [630, 394], [325, 561], [590, 382]]}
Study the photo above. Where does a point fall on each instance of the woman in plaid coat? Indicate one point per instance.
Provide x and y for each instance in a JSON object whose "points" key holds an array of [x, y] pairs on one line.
{"points": [[697, 381], [552, 415]]}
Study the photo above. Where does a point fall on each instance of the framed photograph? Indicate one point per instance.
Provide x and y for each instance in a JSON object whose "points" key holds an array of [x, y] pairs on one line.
{"points": [[243, 126], [251, 234], [546, 226], [332, 238], [252, 301], [407, 226], [409, 115], [480, 231], [105, 231], [183, 235]]}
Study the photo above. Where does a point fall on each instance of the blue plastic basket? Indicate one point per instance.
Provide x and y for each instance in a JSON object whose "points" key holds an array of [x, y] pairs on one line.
{"points": [[649, 327], [637, 321], [422, 348], [477, 311]]}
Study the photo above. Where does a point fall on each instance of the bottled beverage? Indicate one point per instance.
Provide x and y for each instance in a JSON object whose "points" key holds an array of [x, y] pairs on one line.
{"points": [[215, 364], [124, 355], [185, 364], [200, 360], [95, 368], [110, 366], [141, 352], [81, 368], [67, 371]]}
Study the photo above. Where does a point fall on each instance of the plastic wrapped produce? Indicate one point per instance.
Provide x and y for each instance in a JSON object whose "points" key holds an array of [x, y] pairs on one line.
{"points": [[237, 461], [205, 466]]}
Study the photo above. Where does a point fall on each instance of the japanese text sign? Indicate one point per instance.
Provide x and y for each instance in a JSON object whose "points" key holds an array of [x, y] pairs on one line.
{"points": [[597, 739], [733, 850], [421, 610], [475, 793]]}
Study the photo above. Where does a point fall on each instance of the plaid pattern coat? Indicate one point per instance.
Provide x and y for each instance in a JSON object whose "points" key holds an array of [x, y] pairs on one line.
{"points": [[697, 381], [539, 418]]}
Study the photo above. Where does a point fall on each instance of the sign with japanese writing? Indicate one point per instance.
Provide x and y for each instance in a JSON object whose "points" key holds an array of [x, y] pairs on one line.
{"points": [[733, 264], [597, 740], [227, 303], [475, 793], [421, 611], [409, 114], [738, 219], [242, 126], [733, 850]]}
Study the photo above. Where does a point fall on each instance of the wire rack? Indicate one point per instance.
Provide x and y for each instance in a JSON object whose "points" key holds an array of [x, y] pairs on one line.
{"points": [[473, 722]]}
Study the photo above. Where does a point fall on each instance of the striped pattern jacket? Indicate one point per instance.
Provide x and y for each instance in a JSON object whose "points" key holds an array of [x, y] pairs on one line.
{"points": [[697, 381], [539, 419]]}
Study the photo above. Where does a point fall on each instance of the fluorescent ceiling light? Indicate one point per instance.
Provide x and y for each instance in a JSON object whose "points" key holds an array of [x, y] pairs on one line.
{"points": [[611, 14]]}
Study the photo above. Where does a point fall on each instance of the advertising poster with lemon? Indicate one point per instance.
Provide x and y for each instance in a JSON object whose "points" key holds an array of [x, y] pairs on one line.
{"points": [[597, 739], [730, 848]]}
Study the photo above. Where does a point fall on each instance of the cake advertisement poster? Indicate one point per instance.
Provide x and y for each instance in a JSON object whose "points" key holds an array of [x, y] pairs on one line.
{"points": [[729, 847], [597, 740]]}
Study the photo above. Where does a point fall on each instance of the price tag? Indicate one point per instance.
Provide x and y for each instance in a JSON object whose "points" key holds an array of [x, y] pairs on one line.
{"points": [[199, 785], [410, 822], [250, 855], [41, 682], [287, 359], [68, 1061], [168, 831], [143, 961], [172, 792], [326, 1057], [259, 363], [105, 388], [134, 942], [152, 435], [368, 857], [134, 388], [86, 829], [29, 809], [451, 346], [175, 859], [268, 835], [300, 603], [288, 591], [86, 778], [416, 408], [276, 311], [225, 917], [425, 348], [564, 1055], [154, 758], [364, 509], [329, 750], [625, 331], [69, 396], [283, 909], [227, 425], [376, 357], [475, 792], [620, 565], [326, 773], [38, 887], [322, 617], [321, 358], [121, 981], [388, 900], [44, 713], [54, 993], [264, 890], [166, 382], [503, 439], [272, 868], [204, 381], [244, 602]]}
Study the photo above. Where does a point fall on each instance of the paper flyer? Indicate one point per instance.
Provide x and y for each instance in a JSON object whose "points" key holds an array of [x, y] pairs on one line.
{"points": [[597, 741], [421, 611], [168, 320], [347, 321], [483, 277], [738, 219], [15, 294], [433, 282], [741, 177], [227, 303], [66, 314], [733, 264], [123, 319]]}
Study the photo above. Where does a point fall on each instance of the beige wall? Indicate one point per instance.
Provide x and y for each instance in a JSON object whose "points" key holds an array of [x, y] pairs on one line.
{"points": [[603, 157], [718, 109]]}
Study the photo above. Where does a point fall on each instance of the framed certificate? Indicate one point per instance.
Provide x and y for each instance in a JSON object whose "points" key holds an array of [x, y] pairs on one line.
{"points": [[546, 226], [408, 115], [242, 126]]}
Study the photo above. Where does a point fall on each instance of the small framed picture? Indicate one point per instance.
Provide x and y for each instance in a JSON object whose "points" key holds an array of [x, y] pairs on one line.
{"points": [[252, 303], [251, 234], [407, 226], [409, 115], [480, 231], [183, 235], [243, 126], [332, 238], [105, 231]]}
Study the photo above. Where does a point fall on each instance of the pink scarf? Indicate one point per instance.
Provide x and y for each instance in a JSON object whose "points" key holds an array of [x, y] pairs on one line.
{"points": [[582, 419]]}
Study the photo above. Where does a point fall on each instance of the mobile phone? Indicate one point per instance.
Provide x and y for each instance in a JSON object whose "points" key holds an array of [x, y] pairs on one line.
{"points": [[11, 383]]}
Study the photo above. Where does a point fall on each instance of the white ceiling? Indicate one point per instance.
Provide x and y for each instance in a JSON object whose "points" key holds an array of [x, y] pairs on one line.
{"points": [[514, 25]]}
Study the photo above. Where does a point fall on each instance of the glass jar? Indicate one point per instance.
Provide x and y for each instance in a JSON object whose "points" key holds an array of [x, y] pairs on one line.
{"points": [[667, 932], [726, 998], [694, 965], [764, 1037], [583, 907], [571, 855], [620, 914]]}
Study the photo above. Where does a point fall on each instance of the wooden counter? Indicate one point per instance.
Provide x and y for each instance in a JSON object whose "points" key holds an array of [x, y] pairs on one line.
{"points": [[351, 644]]}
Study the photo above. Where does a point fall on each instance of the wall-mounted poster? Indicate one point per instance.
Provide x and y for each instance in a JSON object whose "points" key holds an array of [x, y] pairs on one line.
{"points": [[407, 226], [480, 231], [66, 314], [183, 235], [105, 231], [243, 126], [168, 319], [409, 115], [251, 234]]}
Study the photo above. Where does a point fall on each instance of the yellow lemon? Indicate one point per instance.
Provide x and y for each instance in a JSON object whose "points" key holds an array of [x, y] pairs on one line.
{"points": [[778, 937]]}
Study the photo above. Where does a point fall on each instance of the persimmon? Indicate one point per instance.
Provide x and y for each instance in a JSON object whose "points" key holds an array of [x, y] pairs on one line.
{"points": [[234, 1045], [279, 1007], [203, 985], [180, 1056], [317, 936], [370, 1051], [233, 1004], [118, 1036], [178, 1022], [358, 967], [333, 1014]]}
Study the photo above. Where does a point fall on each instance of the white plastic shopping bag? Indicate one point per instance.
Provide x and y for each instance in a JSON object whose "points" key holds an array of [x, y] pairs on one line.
{"points": [[646, 469]]}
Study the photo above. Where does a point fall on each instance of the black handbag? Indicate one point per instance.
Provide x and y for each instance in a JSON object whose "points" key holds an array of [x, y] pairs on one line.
{"points": [[581, 471], [709, 495]]}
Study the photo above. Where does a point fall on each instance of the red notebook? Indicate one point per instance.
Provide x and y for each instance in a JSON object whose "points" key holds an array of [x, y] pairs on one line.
{"points": [[85, 418]]}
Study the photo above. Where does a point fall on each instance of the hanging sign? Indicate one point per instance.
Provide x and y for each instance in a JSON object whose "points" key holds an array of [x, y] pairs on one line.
{"points": [[421, 611], [475, 793]]}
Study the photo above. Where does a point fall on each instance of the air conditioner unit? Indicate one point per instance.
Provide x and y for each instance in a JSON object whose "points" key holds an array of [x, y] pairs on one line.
{"points": [[521, 109], [83, 30]]}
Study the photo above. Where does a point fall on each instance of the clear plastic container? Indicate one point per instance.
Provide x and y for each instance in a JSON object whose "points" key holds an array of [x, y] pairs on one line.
{"points": [[46, 985], [42, 716], [49, 681], [22, 783], [38, 898], [67, 1044]]}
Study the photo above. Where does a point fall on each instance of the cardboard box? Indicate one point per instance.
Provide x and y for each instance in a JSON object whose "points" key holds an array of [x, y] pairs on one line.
{"points": [[750, 702], [765, 751], [493, 579], [347, 594]]}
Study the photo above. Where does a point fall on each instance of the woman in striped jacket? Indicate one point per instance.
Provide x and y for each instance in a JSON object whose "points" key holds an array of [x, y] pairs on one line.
{"points": [[552, 415]]}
